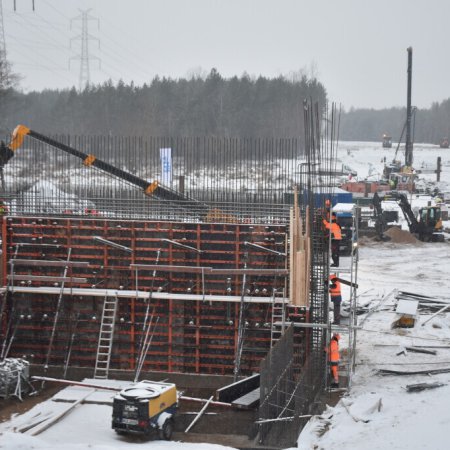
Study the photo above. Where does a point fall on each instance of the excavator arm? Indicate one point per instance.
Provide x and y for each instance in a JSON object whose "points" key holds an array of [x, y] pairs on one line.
{"points": [[402, 200], [429, 225], [153, 188], [380, 222]]}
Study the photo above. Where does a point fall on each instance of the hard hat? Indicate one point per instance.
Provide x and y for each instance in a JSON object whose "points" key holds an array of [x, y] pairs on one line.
{"points": [[336, 336], [333, 276]]}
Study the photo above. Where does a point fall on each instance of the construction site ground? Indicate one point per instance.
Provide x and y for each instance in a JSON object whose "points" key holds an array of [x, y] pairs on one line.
{"points": [[219, 425]]}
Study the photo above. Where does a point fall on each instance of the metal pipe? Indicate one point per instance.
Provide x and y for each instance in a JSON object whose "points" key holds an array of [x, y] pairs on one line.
{"points": [[179, 244], [265, 249], [87, 292], [112, 244]]}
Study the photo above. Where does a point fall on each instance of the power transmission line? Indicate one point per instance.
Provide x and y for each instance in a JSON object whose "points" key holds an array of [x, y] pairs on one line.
{"points": [[3, 60], [84, 56], [126, 52]]}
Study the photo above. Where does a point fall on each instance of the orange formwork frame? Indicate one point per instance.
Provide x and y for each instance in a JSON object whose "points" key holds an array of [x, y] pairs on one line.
{"points": [[197, 329]]}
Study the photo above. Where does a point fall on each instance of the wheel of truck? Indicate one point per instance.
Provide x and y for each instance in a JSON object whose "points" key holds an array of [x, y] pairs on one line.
{"points": [[166, 431]]}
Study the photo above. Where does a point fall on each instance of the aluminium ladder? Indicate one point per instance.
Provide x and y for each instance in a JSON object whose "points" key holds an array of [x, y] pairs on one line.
{"points": [[278, 324], [105, 338]]}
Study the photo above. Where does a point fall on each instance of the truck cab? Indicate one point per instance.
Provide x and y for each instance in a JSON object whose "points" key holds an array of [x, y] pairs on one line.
{"points": [[344, 217], [387, 141]]}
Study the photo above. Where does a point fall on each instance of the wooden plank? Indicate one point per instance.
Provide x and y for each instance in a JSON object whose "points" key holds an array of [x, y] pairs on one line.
{"points": [[77, 383], [37, 421], [413, 372], [421, 350], [51, 421], [300, 284], [422, 386], [248, 401], [291, 256], [237, 389]]}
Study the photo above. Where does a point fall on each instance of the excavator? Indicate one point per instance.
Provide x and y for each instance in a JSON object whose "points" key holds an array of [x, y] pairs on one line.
{"points": [[153, 188], [427, 227]]}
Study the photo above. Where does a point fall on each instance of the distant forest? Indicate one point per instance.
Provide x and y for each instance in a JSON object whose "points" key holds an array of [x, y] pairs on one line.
{"points": [[213, 106], [208, 106], [429, 125]]}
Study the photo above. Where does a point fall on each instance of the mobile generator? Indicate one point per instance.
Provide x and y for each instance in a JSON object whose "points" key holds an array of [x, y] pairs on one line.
{"points": [[145, 407]]}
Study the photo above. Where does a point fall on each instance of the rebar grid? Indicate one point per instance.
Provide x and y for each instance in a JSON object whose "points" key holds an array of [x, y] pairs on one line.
{"points": [[284, 390], [239, 180]]}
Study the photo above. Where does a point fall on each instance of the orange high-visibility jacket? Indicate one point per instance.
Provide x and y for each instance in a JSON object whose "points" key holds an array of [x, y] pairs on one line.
{"points": [[335, 229], [335, 288], [333, 353]]}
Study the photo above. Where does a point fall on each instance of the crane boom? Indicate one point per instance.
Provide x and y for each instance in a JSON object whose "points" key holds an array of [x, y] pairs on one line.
{"points": [[153, 188]]}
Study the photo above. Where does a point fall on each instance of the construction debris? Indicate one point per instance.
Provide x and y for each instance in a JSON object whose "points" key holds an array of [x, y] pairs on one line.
{"points": [[404, 351], [200, 413], [426, 303], [421, 350], [355, 418], [436, 313], [422, 386], [14, 378], [413, 372], [44, 425], [408, 311]]}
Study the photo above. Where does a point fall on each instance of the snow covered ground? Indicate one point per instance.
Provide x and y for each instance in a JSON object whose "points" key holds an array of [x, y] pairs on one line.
{"points": [[377, 412], [87, 426], [368, 158], [404, 420]]}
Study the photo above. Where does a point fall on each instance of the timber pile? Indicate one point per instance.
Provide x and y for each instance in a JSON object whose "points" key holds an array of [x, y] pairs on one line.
{"points": [[426, 303], [300, 254]]}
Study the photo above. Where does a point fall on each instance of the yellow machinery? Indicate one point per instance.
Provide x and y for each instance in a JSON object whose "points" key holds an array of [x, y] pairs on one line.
{"points": [[145, 407]]}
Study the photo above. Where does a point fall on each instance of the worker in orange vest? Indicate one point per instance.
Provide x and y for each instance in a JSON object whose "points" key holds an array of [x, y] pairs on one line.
{"points": [[336, 298], [334, 229], [333, 358]]}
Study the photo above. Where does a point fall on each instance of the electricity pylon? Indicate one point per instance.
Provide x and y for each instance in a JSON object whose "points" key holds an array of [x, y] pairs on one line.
{"points": [[84, 56]]}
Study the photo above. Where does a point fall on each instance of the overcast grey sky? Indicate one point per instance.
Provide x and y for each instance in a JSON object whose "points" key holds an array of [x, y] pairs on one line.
{"points": [[357, 48]]}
